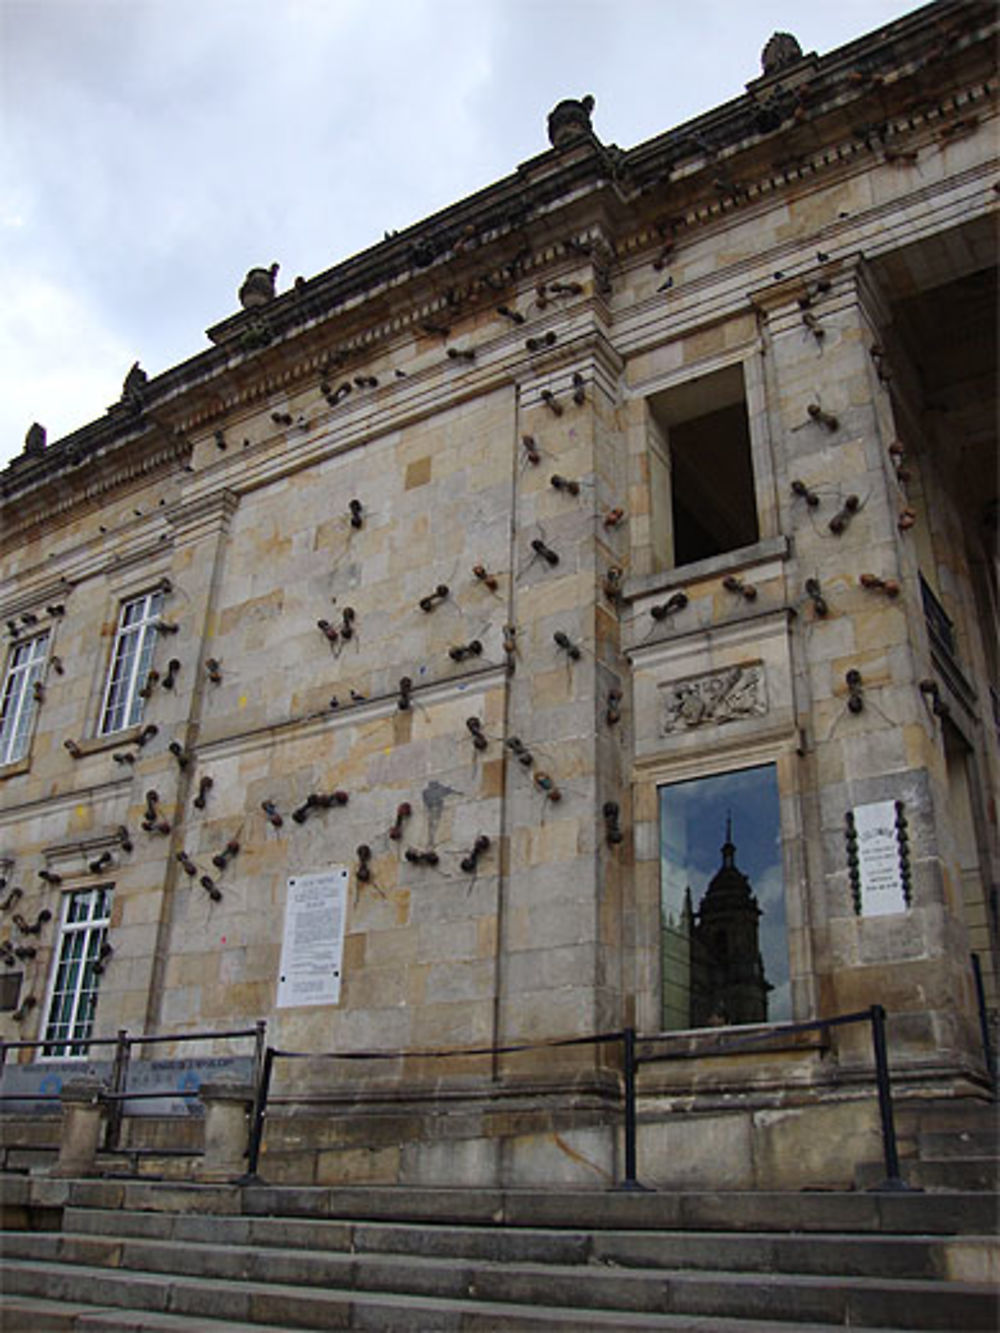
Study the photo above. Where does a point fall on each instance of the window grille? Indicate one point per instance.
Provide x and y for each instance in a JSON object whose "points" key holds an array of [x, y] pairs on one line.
{"points": [[17, 711], [73, 1001], [939, 625], [10, 991], [130, 663]]}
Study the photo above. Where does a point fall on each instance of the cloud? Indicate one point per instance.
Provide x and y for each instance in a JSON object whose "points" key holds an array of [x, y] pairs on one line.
{"points": [[152, 152], [769, 887], [779, 1002], [58, 354]]}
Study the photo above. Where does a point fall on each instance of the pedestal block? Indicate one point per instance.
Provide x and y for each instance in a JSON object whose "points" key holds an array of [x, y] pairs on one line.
{"points": [[83, 1111], [227, 1108]]}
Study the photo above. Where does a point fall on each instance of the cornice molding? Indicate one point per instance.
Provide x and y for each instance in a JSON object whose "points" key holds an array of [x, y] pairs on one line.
{"points": [[54, 803], [917, 129], [25, 595], [293, 730], [469, 295], [479, 248], [56, 494], [204, 514]]}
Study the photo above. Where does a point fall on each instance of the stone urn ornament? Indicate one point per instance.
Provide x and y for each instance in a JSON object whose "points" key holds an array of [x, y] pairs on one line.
{"points": [[258, 287], [782, 50], [34, 441], [569, 120]]}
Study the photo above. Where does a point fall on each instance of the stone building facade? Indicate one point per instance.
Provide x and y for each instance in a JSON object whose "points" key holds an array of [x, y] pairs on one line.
{"points": [[384, 670]]}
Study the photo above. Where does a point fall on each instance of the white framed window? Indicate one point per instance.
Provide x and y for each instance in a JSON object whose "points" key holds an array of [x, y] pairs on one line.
{"points": [[130, 662], [72, 1002], [20, 702]]}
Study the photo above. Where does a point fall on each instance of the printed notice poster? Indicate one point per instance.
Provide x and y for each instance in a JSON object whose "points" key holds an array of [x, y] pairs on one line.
{"points": [[882, 891], [312, 948]]}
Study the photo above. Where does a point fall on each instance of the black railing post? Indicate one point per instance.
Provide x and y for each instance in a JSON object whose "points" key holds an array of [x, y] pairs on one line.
{"points": [[257, 1119], [893, 1180], [119, 1077], [260, 1036], [629, 1063], [3, 1061], [984, 1023]]}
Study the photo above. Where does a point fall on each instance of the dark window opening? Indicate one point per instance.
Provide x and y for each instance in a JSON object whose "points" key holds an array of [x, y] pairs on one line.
{"points": [[706, 435], [10, 991], [713, 497]]}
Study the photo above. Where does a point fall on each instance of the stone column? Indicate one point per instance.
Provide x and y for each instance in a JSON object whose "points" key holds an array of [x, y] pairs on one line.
{"points": [[83, 1110], [145, 890], [227, 1106], [837, 422]]}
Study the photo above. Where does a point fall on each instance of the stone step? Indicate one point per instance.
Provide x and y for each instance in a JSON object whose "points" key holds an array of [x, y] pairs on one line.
{"points": [[944, 1175], [952, 1115], [724, 1210], [27, 1158], [55, 1265], [970, 1258], [938, 1144], [148, 1163], [25, 1314], [818, 1211], [957, 1173]]}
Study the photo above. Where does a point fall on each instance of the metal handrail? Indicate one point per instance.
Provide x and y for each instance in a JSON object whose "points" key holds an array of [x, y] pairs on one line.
{"points": [[271, 1054], [989, 1055], [875, 1016], [631, 1061], [762, 1037], [133, 1041], [118, 1094]]}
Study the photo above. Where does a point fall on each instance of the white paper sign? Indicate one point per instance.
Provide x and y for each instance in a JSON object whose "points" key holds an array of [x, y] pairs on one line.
{"points": [[878, 859], [312, 948]]}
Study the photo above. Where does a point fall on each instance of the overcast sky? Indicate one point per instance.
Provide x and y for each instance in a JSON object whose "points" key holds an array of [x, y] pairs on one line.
{"points": [[151, 151]]}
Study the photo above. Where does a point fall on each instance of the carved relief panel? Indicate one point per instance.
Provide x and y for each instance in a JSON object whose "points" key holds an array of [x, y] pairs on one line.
{"points": [[713, 698]]}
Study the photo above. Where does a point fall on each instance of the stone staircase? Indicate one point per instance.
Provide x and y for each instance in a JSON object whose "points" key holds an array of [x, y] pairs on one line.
{"points": [[944, 1146], [130, 1255]]}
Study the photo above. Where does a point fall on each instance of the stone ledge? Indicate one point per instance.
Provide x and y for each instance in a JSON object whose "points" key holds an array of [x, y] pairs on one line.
{"points": [[665, 580]]}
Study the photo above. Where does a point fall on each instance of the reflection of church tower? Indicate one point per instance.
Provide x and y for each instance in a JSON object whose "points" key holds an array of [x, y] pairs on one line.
{"points": [[727, 972]]}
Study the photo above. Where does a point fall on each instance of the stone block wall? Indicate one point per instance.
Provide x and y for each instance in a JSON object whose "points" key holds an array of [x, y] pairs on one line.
{"points": [[537, 453]]}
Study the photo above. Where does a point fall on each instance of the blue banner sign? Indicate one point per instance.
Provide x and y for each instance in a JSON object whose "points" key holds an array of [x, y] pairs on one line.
{"points": [[46, 1080]]}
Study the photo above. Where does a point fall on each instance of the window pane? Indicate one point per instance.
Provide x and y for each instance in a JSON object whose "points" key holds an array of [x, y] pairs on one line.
{"points": [[122, 671], [78, 907], [130, 662], [19, 705], [724, 949], [74, 993], [61, 1005], [146, 643]]}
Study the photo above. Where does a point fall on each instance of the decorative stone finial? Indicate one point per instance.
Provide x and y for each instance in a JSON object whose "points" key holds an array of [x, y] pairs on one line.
{"points": [[570, 120], [258, 287], [34, 441], [781, 51]]}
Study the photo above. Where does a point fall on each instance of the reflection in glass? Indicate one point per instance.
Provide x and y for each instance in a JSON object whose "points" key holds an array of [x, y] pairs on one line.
{"points": [[723, 938]]}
